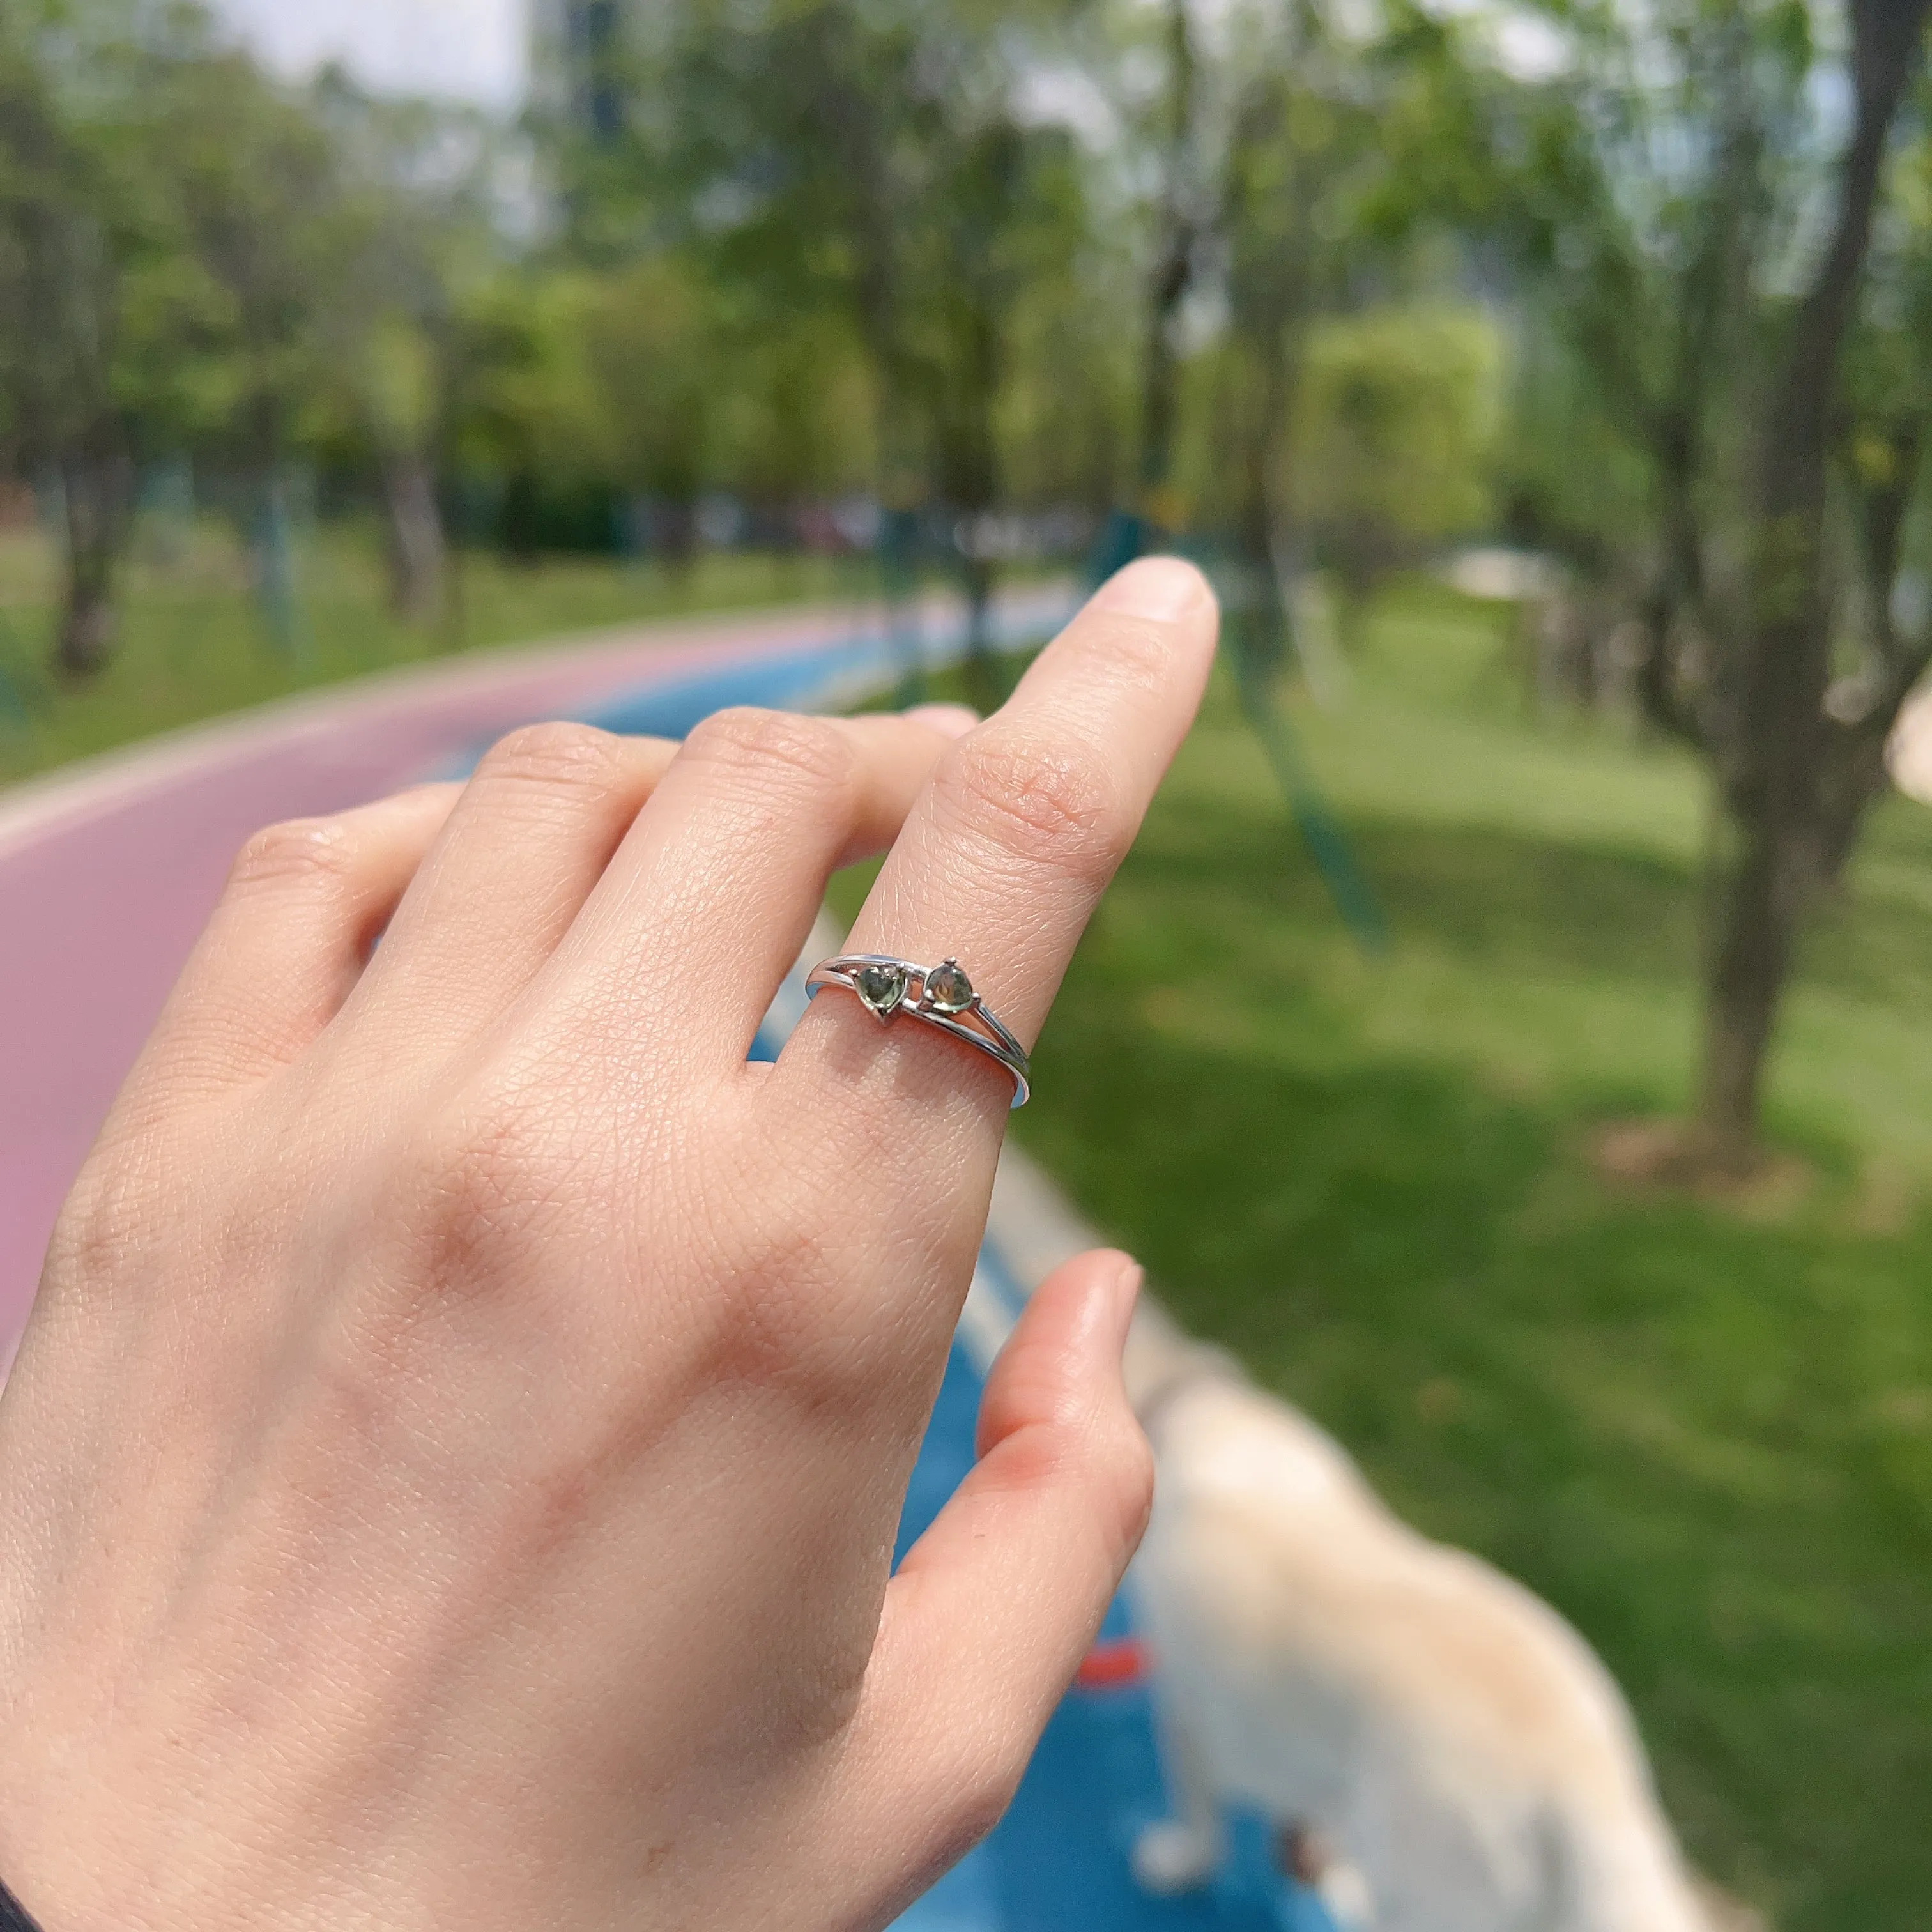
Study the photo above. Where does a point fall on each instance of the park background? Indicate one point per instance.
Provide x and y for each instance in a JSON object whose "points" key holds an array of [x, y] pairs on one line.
{"points": [[1509, 1035]]}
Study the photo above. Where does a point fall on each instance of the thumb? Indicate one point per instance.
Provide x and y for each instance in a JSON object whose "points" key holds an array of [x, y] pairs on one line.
{"points": [[995, 1606]]}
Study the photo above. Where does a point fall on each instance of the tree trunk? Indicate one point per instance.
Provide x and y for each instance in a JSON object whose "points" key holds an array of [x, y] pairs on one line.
{"points": [[976, 574], [1257, 626], [1675, 596], [96, 484], [1761, 904], [519, 527], [898, 550], [417, 552], [272, 562], [1774, 764], [1173, 273], [969, 479], [1855, 779]]}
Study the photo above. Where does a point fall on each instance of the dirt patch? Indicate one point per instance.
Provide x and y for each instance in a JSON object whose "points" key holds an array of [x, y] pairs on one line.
{"points": [[1663, 1157]]}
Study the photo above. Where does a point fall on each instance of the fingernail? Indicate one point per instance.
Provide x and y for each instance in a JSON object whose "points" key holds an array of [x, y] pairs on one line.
{"points": [[1127, 1286], [1161, 587], [949, 721]]}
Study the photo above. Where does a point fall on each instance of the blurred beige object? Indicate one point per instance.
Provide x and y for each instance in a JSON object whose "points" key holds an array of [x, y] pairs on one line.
{"points": [[1908, 752], [1459, 1756], [1503, 576]]}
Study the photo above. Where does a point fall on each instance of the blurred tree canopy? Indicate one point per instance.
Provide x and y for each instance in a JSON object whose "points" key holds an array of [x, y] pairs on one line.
{"points": [[1389, 453], [1311, 286], [1713, 206]]}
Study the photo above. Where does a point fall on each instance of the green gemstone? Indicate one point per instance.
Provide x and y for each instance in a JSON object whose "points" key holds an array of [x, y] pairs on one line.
{"points": [[882, 988], [948, 989]]}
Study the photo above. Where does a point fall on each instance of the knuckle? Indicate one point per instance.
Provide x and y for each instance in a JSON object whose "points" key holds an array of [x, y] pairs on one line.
{"points": [[104, 1220], [770, 1331], [554, 756], [119, 1231], [484, 1183], [1043, 1455], [1105, 1458], [747, 739], [1137, 654], [298, 852], [973, 1793], [1051, 805]]}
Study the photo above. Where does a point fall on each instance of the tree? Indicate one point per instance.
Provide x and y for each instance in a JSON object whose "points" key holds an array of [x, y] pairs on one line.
{"points": [[652, 334], [266, 224], [1301, 149], [1884, 431], [1666, 172], [1390, 446], [89, 275], [1181, 215], [1180, 209], [881, 162], [415, 228], [1787, 767]]}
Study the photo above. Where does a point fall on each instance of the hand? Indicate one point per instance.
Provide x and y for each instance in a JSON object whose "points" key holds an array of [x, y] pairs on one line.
{"points": [[451, 1475]]}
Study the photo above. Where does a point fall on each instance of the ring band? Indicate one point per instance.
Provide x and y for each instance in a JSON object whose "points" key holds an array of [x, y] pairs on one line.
{"points": [[941, 996]]}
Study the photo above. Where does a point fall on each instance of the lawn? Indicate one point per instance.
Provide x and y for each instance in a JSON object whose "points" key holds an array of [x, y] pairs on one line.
{"points": [[1705, 1432], [194, 644]]}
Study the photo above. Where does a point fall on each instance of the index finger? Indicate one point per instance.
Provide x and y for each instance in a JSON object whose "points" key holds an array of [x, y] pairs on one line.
{"points": [[1025, 820]]}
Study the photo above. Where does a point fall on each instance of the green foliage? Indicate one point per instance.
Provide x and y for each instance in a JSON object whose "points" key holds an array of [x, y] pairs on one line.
{"points": [[1658, 190], [256, 198], [874, 168], [95, 275], [1567, 482], [1396, 424]]}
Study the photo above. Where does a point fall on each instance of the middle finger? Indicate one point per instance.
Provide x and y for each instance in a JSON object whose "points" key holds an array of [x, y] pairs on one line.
{"points": [[678, 951]]}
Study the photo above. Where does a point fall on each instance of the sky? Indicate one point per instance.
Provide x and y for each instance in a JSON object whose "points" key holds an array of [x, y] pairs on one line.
{"points": [[471, 49], [475, 49]]}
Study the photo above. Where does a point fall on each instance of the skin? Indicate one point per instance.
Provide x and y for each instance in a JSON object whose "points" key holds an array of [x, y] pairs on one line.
{"points": [[451, 1475]]}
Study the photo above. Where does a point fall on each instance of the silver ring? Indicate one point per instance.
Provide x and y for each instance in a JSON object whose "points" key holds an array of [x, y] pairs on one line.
{"points": [[941, 996]]}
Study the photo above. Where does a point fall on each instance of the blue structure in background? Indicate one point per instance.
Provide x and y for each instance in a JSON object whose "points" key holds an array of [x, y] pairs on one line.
{"points": [[1059, 1862]]}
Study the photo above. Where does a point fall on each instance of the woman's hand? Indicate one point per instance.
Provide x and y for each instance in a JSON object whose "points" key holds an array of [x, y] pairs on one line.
{"points": [[450, 1476]]}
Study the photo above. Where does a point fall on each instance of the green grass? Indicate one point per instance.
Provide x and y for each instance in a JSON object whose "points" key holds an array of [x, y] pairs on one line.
{"points": [[1705, 1433], [193, 645]]}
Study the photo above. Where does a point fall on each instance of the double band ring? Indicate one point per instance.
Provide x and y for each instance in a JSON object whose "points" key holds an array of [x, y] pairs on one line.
{"points": [[940, 996]]}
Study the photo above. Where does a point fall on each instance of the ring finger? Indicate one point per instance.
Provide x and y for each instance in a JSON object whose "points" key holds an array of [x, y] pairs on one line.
{"points": [[700, 914], [303, 902]]}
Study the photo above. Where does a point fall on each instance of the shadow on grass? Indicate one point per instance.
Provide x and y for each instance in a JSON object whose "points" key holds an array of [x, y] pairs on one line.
{"points": [[1510, 901]]}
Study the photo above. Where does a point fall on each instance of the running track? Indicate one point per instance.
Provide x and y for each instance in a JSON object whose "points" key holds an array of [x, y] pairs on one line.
{"points": [[108, 872]]}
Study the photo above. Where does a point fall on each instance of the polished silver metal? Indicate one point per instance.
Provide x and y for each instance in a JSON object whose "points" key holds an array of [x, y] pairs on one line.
{"points": [[939, 996]]}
